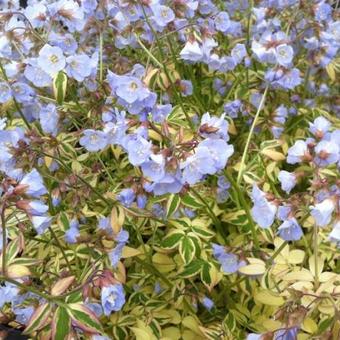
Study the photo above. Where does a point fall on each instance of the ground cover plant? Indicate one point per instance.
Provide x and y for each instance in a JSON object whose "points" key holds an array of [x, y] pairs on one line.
{"points": [[170, 169]]}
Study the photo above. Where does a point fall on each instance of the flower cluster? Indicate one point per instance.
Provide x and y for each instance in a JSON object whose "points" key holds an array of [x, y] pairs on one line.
{"points": [[169, 169]]}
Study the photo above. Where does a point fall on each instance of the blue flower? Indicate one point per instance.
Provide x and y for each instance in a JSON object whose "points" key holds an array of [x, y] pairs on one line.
{"points": [[73, 232], [161, 112], [66, 42], [284, 54], [334, 235], [139, 150], [207, 303], [32, 184], [8, 293], [23, 314], [35, 208], [223, 182], [222, 195], [319, 127], [93, 140], [122, 236], [36, 14], [263, 211], [115, 254], [298, 152], [222, 22], [239, 52], [105, 225], [191, 52], [288, 180], [214, 127], [78, 66], [41, 223], [219, 150], [290, 230], [186, 87], [126, 197], [229, 262], [51, 59], [69, 13], [37, 76], [155, 168], [112, 298], [49, 119], [141, 201], [163, 15], [322, 212], [327, 152], [22, 92], [198, 165]]}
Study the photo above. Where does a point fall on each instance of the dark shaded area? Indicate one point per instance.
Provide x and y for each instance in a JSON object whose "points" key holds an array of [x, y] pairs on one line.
{"points": [[8, 333], [23, 3]]}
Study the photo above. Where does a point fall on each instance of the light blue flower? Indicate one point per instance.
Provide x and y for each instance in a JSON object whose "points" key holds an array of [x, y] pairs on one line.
{"points": [[93, 140], [322, 212], [207, 303], [78, 66], [298, 152], [155, 168], [37, 76], [126, 197], [139, 150], [222, 22], [263, 211], [198, 165], [8, 293], [287, 180], [112, 298], [284, 54], [49, 119], [51, 59], [319, 127], [5, 92], [162, 15], [32, 184], [41, 223], [214, 127], [327, 153], [290, 230]]}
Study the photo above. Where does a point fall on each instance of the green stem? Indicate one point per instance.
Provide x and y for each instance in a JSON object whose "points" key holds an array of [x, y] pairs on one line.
{"points": [[316, 263], [278, 251], [246, 209], [245, 151], [215, 219], [4, 240], [59, 245], [101, 57]]}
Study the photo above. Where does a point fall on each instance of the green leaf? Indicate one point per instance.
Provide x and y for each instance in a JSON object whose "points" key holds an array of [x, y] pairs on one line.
{"points": [[84, 318], [172, 205], [12, 250], [187, 249], [172, 239], [61, 324], [192, 269], [59, 87], [38, 318], [237, 217], [203, 233], [191, 202], [205, 274]]}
